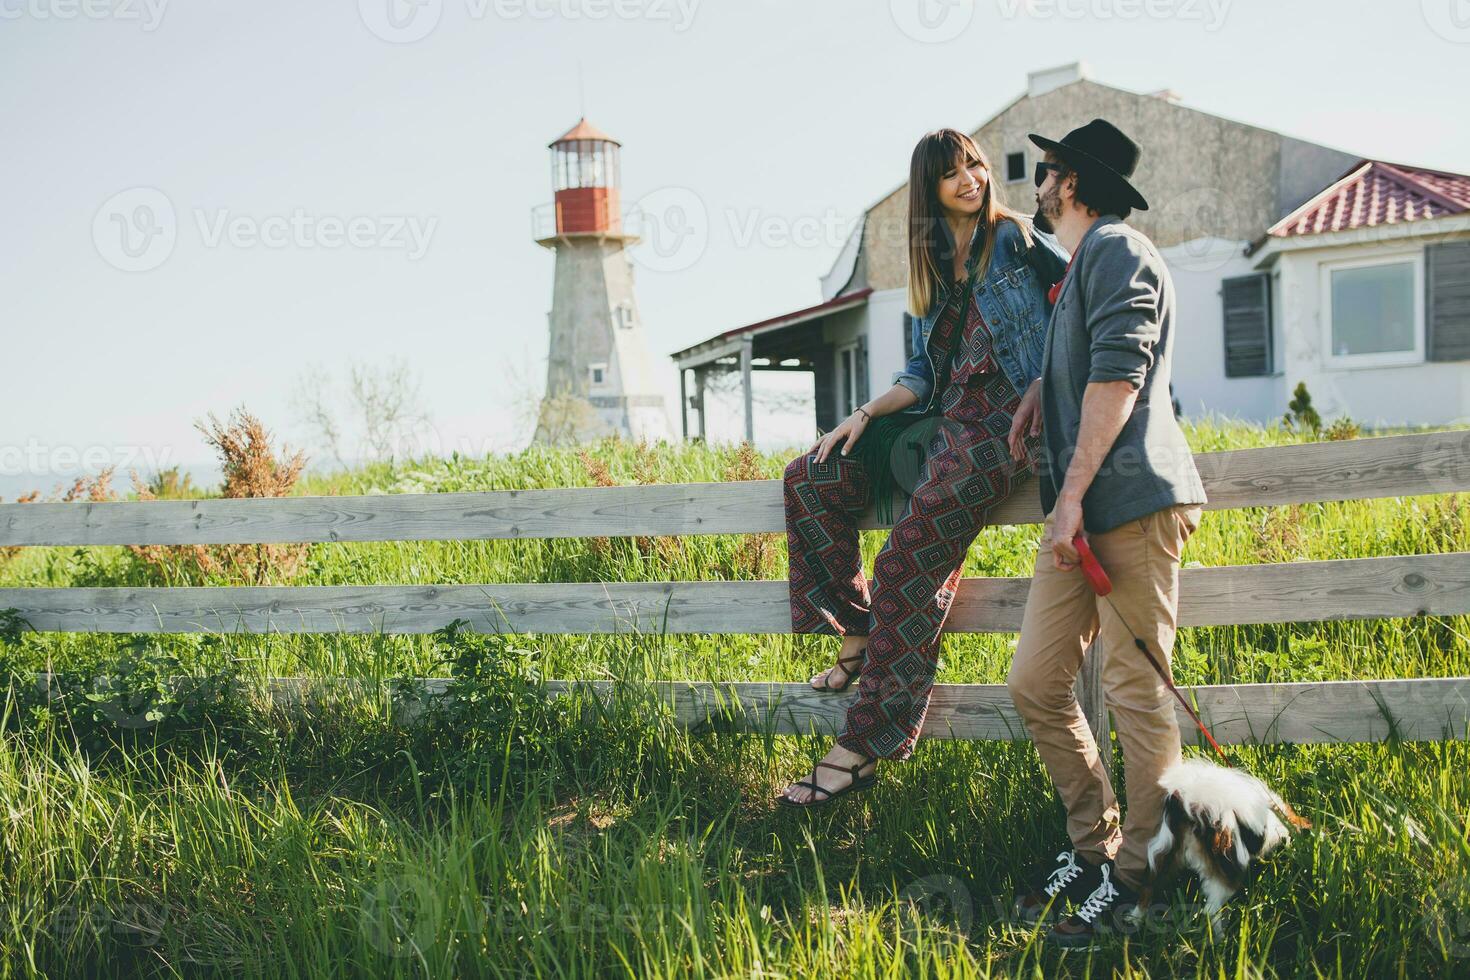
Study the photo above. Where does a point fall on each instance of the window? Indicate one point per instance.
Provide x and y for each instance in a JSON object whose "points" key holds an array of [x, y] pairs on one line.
{"points": [[1374, 312], [847, 400], [1446, 320], [623, 317], [908, 335], [1247, 320], [598, 373], [1015, 167]]}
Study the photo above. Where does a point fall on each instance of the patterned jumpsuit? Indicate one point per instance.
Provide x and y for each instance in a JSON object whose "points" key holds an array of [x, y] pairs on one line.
{"points": [[966, 470]]}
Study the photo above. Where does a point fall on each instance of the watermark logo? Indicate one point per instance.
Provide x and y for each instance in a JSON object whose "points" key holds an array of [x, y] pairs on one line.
{"points": [[401, 21], [934, 899], [400, 914], [135, 230], [1450, 19], [1198, 217], [674, 226], [932, 21], [1447, 916]]}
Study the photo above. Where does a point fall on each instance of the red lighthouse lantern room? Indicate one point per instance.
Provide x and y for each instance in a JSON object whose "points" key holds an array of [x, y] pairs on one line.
{"points": [[585, 175]]}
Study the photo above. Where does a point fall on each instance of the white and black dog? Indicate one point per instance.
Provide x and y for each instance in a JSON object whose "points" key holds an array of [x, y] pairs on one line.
{"points": [[1215, 822]]}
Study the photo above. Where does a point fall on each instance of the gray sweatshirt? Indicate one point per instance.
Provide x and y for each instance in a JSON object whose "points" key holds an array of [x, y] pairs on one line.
{"points": [[1114, 321]]}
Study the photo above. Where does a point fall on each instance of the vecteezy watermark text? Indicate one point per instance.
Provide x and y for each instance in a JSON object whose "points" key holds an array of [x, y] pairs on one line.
{"points": [[136, 230], [148, 13], [405, 232], [55, 460], [1210, 13], [407, 21]]}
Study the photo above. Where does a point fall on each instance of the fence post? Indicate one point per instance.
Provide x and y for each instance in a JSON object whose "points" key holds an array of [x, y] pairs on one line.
{"points": [[1090, 695]]}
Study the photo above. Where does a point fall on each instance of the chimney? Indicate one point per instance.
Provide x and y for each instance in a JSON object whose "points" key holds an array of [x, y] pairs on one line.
{"points": [[1044, 81]]}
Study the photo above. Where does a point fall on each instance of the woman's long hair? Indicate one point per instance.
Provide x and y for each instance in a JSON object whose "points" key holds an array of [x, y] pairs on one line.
{"points": [[931, 246]]}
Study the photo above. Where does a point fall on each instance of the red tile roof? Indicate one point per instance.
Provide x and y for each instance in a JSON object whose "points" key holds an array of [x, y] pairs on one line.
{"points": [[1378, 193]]}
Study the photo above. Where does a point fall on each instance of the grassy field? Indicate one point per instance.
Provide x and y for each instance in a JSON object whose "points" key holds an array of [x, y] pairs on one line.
{"points": [[210, 833]]}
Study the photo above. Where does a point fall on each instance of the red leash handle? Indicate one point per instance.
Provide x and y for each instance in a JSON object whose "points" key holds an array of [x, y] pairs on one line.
{"points": [[1091, 568], [1097, 578]]}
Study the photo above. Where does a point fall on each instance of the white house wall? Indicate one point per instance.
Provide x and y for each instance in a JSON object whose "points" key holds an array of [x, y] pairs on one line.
{"points": [[1425, 393], [886, 354], [1200, 384], [880, 320]]}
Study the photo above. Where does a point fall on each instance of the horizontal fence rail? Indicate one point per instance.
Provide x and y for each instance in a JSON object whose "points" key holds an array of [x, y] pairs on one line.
{"points": [[1318, 712], [1427, 463], [1413, 710], [1420, 709], [1351, 588]]}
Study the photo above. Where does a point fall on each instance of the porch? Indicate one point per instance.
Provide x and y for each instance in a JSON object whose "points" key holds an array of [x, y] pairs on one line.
{"points": [[803, 340]]}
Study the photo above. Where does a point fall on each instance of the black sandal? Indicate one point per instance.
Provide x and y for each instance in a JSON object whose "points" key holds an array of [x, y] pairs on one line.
{"points": [[843, 662], [858, 783]]}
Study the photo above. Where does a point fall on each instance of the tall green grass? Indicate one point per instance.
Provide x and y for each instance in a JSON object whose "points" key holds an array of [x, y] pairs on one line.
{"points": [[511, 836]]}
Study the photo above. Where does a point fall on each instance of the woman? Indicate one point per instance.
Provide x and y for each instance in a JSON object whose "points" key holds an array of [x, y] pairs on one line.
{"points": [[956, 430]]}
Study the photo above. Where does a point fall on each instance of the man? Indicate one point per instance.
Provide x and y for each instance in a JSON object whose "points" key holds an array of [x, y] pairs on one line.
{"points": [[1115, 466]]}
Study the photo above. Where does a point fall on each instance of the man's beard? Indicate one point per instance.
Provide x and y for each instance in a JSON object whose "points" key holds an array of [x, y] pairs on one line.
{"points": [[1042, 220]]}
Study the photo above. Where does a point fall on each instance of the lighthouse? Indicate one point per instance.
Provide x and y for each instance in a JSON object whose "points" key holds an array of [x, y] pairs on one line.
{"points": [[599, 378]]}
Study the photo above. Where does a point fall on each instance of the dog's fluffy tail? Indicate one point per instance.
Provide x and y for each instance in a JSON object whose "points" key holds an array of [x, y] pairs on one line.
{"points": [[1216, 821]]}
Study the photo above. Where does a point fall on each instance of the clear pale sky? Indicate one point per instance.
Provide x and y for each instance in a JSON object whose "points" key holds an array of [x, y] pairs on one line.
{"points": [[428, 121]]}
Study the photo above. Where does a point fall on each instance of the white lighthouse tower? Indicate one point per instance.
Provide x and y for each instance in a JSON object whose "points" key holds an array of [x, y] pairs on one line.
{"points": [[598, 355]]}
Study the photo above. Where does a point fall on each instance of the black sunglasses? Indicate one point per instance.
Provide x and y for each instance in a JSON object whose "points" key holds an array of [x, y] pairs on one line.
{"points": [[1043, 166]]}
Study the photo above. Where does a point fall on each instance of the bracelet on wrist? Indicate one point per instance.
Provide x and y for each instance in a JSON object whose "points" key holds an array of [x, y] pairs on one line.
{"points": [[865, 413]]}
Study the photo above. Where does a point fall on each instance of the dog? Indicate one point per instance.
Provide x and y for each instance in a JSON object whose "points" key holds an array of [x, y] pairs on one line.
{"points": [[1216, 821]]}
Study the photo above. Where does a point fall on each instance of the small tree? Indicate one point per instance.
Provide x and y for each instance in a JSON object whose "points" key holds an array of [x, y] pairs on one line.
{"points": [[566, 418], [1300, 415], [383, 410]]}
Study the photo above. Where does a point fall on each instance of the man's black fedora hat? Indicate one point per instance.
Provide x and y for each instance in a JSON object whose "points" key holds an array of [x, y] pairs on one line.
{"points": [[1100, 151]]}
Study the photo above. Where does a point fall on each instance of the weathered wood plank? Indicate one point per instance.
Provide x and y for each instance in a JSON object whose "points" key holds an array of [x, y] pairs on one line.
{"points": [[1322, 712], [1421, 709], [1426, 463], [1355, 588]]}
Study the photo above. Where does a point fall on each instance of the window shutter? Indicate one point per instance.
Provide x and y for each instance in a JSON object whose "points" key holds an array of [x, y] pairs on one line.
{"points": [[1247, 302], [908, 335], [1015, 167], [1447, 310], [860, 370]]}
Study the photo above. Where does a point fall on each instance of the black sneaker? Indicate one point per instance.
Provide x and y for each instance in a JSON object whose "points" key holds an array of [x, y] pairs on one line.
{"points": [[1112, 908], [1071, 878]]}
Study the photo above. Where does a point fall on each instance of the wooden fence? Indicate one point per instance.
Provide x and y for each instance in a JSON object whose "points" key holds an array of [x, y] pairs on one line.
{"points": [[1337, 711]]}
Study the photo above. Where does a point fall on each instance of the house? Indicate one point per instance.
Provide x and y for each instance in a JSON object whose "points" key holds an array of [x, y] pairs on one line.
{"points": [[1363, 293], [1261, 232]]}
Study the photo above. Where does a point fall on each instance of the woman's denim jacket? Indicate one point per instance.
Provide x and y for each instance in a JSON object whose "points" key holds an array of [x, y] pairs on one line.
{"points": [[1011, 298]]}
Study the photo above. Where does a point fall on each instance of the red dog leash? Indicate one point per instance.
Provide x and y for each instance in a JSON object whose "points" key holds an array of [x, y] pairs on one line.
{"points": [[1102, 585], [1092, 570]]}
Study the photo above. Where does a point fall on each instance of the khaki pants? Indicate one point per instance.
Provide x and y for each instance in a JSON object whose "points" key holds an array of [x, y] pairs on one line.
{"points": [[1062, 616]]}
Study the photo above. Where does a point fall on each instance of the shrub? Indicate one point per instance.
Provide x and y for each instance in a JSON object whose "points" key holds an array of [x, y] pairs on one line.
{"points": [[252, 468]]}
